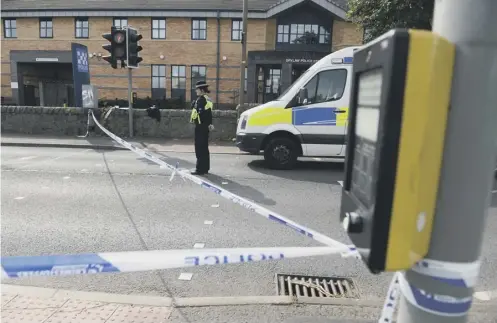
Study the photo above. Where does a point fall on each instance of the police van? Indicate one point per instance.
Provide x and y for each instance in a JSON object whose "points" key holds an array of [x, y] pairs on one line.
{"points": [[308, 119]]}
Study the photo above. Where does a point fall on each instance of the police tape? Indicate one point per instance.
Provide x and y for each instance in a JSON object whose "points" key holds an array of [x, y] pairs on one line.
{"points": [[133, 261], [351, 251], [441, 305], [391, 300], [452, 273]]}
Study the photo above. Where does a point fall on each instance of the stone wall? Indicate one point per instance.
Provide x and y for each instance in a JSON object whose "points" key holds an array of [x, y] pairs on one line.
{"points": [[52, 121]]}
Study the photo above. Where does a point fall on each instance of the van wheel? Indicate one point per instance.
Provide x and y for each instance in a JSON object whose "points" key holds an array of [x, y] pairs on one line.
{"points": [[281, 153]]}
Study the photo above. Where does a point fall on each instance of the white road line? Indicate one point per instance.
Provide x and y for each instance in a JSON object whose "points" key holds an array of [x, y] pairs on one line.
{"points": [[208, 222], [28, 157], [215, 205], [185, 276], [485, 295], [19, 198], [66, 177], [199, 245]]}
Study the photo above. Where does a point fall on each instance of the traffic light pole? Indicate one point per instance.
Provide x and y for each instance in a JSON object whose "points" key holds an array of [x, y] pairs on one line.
{"points": [[468, 163], [241, 95], [130, 100]]}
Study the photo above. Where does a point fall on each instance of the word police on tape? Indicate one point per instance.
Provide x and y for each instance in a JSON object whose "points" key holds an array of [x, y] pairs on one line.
{"points": [[132, 261]]}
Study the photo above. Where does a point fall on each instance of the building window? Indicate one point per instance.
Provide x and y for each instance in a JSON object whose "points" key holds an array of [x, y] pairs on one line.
{"points": [[199, 29], [303, 34], [9, 28], [198, 74], [158, 76], [120, 22], [46, 28], [158, 28], [283, 33], [178, 77], [273, 81], [82, 28], [246, 77], [236, 29]]}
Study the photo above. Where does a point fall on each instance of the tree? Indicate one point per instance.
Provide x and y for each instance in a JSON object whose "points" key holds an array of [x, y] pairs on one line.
{"points": [[379, 16]]}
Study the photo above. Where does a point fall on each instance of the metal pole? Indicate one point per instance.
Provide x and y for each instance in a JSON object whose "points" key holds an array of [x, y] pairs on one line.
{"points": [[469, 158], [130, 100], [241, 97]]}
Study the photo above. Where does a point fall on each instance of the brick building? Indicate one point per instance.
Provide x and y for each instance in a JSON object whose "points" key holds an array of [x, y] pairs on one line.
{"points": [[183, 41]]}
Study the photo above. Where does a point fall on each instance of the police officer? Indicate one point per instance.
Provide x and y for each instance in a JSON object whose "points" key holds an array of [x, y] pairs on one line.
{"points": [[202, 118]]}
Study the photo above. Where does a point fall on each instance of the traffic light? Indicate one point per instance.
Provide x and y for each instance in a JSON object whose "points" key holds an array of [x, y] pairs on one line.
{"points": [[132, 40], [117, 47], [400, 101]]}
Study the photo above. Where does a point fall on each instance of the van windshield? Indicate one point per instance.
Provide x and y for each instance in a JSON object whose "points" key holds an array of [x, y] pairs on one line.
{"points": [[288, 88]]}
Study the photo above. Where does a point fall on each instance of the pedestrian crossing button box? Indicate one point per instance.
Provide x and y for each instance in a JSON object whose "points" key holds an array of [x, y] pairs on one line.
{"points": [[398, 113]]}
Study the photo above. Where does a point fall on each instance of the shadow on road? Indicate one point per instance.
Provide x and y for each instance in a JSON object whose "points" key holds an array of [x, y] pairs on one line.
{"points": [[234, 187], [307, 171]]}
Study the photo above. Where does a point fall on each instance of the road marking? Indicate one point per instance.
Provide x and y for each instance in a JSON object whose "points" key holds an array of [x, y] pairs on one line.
{"points": [[341, 183], [215, 205], [28, 157], [66, 177], [224, 183], [199, 245], [208, 222], [19, 198], [485, 295], [185, 276]]}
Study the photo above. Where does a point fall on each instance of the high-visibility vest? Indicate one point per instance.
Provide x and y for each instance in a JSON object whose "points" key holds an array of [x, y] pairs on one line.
{"points": [[208, 106]]}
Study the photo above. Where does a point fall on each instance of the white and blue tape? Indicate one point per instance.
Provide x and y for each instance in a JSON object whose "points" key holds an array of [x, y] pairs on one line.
{"points": [[451, 273], [441, 305], [132, 261]]}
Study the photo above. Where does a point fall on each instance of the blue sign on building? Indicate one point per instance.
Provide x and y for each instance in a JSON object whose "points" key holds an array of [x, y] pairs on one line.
{"points": [[80, 71]]}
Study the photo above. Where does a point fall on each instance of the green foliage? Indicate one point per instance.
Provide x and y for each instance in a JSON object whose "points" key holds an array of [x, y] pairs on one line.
{"points": [[379, 16]]}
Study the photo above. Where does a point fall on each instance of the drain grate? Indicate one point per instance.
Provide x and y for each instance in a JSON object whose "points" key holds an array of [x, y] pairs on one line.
{"points": [[315, 286]]}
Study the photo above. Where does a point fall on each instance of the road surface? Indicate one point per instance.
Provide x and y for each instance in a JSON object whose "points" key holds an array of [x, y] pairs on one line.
{"points": [[62, 201]]}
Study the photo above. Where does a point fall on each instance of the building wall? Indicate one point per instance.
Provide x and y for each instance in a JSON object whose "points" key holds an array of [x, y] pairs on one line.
{"points": [[177, 49]]}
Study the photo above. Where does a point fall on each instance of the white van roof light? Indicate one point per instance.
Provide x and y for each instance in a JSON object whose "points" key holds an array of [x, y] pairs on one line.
{"points": [[342, 60]]}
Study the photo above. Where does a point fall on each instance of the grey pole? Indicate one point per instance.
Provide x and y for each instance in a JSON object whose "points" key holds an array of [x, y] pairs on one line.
{"points": [[130, 100], [241, 96], [469, 152]]}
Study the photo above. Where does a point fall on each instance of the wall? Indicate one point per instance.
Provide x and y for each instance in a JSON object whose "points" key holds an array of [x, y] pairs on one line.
{"points": [[345, 34], [72, 121]]}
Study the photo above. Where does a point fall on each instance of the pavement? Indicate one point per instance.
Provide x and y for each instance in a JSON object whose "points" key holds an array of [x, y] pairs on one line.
{"points": [[47, 305], [105, 143], [74, 200]]}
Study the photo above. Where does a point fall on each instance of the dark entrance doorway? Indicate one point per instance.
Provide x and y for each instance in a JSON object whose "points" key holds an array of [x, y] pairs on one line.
{"points": [[298, 70], [268, 82], [47, 84]]}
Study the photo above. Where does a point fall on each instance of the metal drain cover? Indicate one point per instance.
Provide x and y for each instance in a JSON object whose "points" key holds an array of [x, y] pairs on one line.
{"points": [[315, 286]]}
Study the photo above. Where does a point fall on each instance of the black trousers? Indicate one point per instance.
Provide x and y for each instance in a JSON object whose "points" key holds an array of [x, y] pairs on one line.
{"points": [[202, 148]]}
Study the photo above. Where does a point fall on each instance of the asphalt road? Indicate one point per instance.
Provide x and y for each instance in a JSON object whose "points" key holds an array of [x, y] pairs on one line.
{"points": [[62, 201]]}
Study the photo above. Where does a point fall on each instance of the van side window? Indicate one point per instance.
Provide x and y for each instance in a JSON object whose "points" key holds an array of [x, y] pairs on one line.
{"points": [[326, 85]]}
